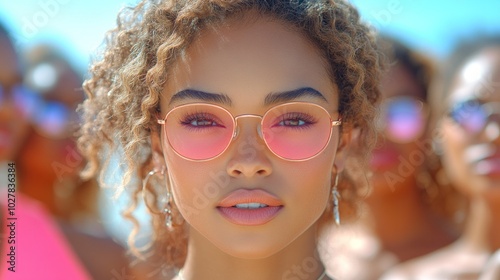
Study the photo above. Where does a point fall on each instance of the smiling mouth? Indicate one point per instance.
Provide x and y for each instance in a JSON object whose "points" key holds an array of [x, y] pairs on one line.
{"points": [[488, 167], [250, 207], [254, 205]]}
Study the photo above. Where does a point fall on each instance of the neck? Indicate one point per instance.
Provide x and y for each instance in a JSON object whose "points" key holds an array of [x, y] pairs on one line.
{"points": [[404, 223], [37, 186], [482, 228], [298, 260]]}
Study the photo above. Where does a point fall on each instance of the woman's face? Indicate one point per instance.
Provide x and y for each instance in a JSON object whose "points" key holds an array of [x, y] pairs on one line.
{"points": [[247, 63], [471, 134], [51, 136], [13, 127], [398, 155]]}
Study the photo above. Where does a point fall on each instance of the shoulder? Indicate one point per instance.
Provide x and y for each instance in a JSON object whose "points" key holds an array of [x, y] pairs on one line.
{"points": [[492, 269], [448, 263]]}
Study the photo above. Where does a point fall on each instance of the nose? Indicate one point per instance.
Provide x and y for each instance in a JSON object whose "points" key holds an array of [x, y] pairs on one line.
{"points": [[249, 154]]}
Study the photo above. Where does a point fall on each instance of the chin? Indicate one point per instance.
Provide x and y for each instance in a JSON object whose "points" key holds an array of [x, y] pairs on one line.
{"points": [[252, 248], [251, 252]]}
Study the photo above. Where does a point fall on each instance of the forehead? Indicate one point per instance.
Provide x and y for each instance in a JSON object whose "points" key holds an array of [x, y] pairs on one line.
{"points": [[246, 58], [479, 78], [56, 81], [399, 81]]}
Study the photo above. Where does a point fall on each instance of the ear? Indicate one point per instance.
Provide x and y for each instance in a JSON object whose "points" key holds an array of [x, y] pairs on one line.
{"points": [[349, 135], [157, 150]]}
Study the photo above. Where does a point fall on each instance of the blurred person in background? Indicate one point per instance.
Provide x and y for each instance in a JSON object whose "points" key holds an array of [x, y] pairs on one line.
{"points": [[400, 222], [32, 247], [56, 234], [466, 103], [49, 163], [13, 123]]}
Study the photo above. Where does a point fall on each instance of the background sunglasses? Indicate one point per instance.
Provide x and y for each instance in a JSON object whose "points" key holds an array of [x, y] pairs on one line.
{"points": [[473, 115], [50, 118], [24, 100], [402, 119]]}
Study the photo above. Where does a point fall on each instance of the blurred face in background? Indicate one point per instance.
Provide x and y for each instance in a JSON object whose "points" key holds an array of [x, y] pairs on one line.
{"points": [[471, 130], [50, 147], [13, 123], [402, 123]]}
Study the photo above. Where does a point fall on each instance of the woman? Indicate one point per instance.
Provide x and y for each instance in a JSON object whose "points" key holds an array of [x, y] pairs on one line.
{"points": [[468, 135], [13, 122], [400, 222], [30, 232], [55, 210], [238, 116]]}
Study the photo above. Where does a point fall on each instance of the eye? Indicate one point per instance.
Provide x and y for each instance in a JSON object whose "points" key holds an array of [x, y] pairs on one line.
{"points": [[201, 120], [294, 122], [296, 119]]}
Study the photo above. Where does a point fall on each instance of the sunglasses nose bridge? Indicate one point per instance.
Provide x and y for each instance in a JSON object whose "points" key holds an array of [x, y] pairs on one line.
{"points": [[237, 125]]}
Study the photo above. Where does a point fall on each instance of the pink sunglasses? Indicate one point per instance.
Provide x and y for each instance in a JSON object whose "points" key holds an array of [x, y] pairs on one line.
{"points": [[294, 131]]}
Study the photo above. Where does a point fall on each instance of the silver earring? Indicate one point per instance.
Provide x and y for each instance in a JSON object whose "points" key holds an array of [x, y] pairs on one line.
{"points": [[167, 210], [335, 195]]}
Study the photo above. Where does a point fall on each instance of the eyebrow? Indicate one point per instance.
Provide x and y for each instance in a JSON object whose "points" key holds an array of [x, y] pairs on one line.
{"points": [[202, 96], [286, 96], [272, 98]]}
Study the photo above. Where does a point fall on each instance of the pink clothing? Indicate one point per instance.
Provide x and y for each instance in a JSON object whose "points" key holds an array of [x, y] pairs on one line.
{"points": [[41, 250]]}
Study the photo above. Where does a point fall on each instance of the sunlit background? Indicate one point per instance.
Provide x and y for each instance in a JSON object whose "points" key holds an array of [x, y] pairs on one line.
{"points": [[78, 28]]}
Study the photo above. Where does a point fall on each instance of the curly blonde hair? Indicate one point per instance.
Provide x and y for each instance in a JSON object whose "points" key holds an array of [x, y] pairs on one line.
{"points": [[125, 84]]}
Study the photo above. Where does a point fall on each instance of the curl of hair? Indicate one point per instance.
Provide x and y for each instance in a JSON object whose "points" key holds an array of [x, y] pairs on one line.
{"points": [[126, 82]]}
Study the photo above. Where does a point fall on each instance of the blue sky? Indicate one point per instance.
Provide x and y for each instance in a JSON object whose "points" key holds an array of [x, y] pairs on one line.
{"points": [[78, 26]]}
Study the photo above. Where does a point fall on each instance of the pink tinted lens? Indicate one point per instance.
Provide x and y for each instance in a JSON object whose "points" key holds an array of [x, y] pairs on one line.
{"points": [[404, 120], [26, 101], [199, 131], [53, 119], [297, 131], [471, 115]]}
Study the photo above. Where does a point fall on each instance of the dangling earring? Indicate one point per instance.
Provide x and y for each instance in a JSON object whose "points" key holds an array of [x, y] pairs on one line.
{"points": [[335, 195], [167, 210]]}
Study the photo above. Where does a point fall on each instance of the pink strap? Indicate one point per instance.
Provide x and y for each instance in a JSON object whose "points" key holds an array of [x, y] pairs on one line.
{"points": [[42, 251]]}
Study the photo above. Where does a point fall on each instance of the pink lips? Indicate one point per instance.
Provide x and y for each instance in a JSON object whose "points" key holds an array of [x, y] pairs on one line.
{"points": [[488, 166], [249, 207]]}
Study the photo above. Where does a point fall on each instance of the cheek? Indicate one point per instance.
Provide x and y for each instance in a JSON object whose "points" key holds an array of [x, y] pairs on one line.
{"points": [[195, 186], [15, 131], [310, 182], [454, 144]]}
